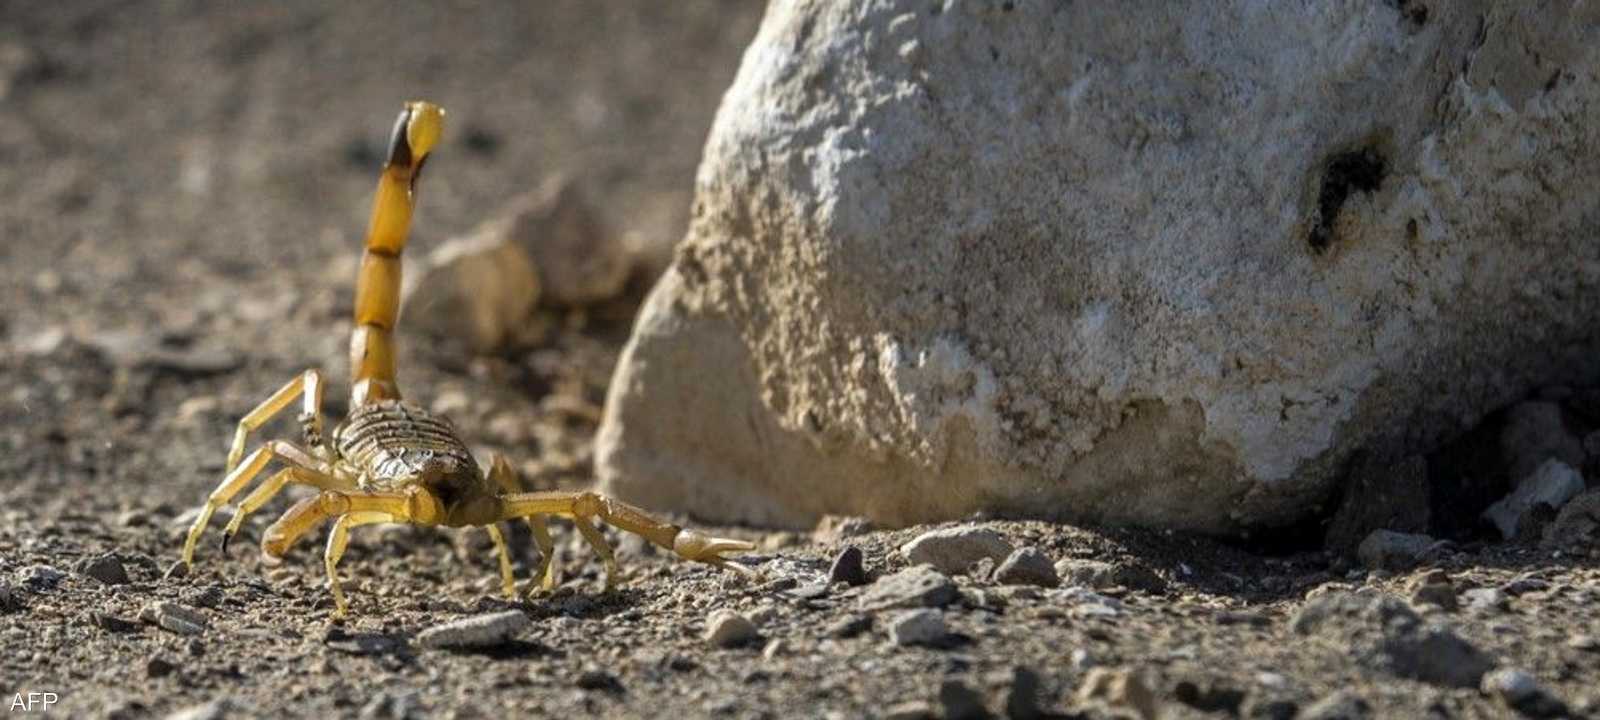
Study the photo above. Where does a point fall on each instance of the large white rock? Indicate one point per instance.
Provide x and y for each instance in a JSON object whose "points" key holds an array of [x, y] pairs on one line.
{"points": [[1162, 263]]}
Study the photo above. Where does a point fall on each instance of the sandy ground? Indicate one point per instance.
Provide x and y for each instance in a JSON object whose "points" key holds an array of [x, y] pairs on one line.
{"points": [[185, 188]]}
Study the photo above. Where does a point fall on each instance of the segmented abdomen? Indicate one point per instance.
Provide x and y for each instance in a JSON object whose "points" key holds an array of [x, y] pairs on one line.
{"points": [[397, 444]]}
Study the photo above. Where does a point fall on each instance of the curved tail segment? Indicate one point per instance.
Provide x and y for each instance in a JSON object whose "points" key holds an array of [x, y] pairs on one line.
{"points": [[372, 362]]}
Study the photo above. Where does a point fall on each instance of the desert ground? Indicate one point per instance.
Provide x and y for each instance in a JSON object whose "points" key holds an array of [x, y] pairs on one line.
{"points": [[186, 186]]}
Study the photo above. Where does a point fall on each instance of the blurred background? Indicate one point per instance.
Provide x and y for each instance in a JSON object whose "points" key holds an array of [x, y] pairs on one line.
{"points": [[187, 185]]}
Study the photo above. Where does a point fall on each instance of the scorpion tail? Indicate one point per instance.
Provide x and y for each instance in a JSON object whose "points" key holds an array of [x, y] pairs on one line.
{"points": [[372, 362]]}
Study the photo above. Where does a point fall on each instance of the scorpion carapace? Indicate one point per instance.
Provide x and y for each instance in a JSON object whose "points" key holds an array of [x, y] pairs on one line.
{"points": [[394, 462]]}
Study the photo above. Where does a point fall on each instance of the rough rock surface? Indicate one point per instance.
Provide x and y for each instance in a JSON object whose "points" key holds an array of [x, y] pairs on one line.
{"points": [[1154, 263]]}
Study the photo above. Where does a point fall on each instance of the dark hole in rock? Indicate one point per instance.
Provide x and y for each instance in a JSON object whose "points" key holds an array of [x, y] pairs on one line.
{"points": [[1353, 171]]}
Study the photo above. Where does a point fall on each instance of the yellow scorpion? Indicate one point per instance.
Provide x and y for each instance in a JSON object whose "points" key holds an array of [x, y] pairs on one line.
{"points": [[393, 462]]}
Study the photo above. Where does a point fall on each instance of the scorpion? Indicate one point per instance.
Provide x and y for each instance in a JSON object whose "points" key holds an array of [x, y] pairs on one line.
{"points": [[391, 461]]}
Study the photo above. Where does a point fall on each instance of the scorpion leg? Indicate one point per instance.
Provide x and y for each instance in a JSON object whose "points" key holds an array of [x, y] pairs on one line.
{"points": [[309, 384], [308, 513], [240, 475], [508, 582], [337, 539], [269, 489], [688, 544], [502, 474]]}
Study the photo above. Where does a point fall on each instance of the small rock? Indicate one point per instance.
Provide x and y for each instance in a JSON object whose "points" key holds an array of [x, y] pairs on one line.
{"points": [[917, 586], [919, 627], [848, 627], [113, 623], [1120, 690], [158, 667], [597, 679], [1102, 575], [848, 568], [478, 289], [1433, 588], [106, 568], [910, 710], [960, 701], [173, 617], [40, 577], [1340, 705], [1027, 566], [1022, 697], [728, 629], [832, 529], [481, 631], [214, 710], [1390, 550], [1521, 692], [1209, 697], [1485, 600], [1551, 485], [773, 650], [1586, 643], [953, 550], [1577, 526]]}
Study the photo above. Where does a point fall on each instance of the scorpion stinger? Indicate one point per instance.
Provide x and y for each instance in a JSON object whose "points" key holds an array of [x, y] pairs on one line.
{"points": [[395, 462]]}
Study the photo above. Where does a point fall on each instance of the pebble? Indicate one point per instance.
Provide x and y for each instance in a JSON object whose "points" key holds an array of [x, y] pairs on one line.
{"points": [[1586, 643], [729, 629], [918, 627], [1101, 575], [214, 710], [1552, 484], [106, 568], [1484, 599], [1022, 696], [597, 679], [173, 617], [954, 549], [158, 667], [917, 586], [1522, 692], [1433, 588], [113, 623], [848, 568], [1027, 566], [40, 577], [1390, 550], [910, 710], [848, 627], [960, 702], [387, 705], [1340, 705], [1120, 689], [481, 631]]}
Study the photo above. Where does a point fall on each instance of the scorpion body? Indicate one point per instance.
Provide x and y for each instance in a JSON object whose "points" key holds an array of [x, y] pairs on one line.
{"points": [[391, 461]]}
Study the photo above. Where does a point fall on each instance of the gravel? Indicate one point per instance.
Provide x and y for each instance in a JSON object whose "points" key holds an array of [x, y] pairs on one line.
{"points": [[478, 632]]}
